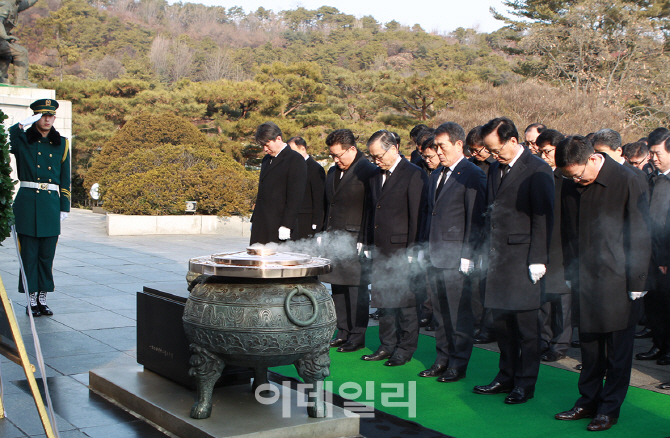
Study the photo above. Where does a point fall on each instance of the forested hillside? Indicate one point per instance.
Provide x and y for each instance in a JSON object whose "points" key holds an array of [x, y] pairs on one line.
{"points": [[311, 71]]}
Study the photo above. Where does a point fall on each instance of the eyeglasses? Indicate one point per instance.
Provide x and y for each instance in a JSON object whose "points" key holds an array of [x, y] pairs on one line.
{"points": [[531, 143], [339, 156], [477, 151], [497, 153], [580, 177], [378, 157], [637, 163], [428, 157], [546, 152]]}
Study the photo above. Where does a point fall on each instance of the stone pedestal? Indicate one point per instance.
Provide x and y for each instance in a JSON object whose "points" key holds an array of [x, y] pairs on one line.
{"points": [[235, 413]]}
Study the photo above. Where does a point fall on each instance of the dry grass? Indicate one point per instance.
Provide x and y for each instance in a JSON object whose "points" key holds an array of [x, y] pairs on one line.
{"points": [[534, 102]]}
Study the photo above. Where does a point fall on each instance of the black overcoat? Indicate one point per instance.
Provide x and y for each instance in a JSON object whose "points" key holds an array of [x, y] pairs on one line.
{"points": [[607, 246], [456, 217], [659, 209], [281, 187], [555, 277], [311, 212], [395, 227], [518, 227], [347, 208]]}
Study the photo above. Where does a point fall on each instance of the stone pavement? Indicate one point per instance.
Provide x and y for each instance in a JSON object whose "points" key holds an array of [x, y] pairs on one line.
{"points": [[94, 325]]}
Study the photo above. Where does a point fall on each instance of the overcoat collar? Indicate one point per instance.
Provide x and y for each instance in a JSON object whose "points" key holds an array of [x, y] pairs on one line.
{"points": [[33, 135], [348, 174]]}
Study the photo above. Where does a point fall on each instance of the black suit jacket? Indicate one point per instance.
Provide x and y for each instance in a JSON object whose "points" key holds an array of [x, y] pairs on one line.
{"points": [[659, 210], [347, 208], [519, 222], [456, 217], [395, 228], [281, 187], [311, 212], [607, 246], [555, 277]]}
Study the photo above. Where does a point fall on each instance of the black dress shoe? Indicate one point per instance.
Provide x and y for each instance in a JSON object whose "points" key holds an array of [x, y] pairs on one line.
{"points": [[492, 388], [44, 309], [652, 354], [665, 385], [451, 375], [576, 344], [433, 371], [601, 422], [35, 310], [664, 360], [337, 343], [644, 333], [377, 355], [485, 338], [552, 356], [575, 414], [424, 322], [430, 328], [397, 360], [519, 395], [375, 315], [578, 367], [350, 347]]}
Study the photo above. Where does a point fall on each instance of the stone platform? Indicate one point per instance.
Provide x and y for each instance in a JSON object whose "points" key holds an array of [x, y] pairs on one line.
{"points": [[235, 412]]}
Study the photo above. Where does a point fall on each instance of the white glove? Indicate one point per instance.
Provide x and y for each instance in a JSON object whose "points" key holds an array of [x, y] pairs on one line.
{"points": [[467, 266], [314, 226], [536, 272], [410, 259], [284, 233], [635, 295], [568, 283], [25, 123], [359, 247], [318, 240], [421, 258], [366, 253], [63, 215]]}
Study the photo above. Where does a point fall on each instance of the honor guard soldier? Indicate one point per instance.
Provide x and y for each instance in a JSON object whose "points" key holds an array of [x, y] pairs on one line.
{"points": [[43, 164]]}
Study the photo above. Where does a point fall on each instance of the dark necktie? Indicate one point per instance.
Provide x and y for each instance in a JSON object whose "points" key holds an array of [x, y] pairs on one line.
{"points": [[504, 170], [387, 174], [440, 184]]}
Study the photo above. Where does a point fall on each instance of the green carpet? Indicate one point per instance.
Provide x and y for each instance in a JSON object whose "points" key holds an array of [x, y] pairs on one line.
{"points": [[453, 409]]}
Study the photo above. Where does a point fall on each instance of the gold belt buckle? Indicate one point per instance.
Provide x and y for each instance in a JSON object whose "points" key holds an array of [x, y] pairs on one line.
{"points": [[43, 186]]}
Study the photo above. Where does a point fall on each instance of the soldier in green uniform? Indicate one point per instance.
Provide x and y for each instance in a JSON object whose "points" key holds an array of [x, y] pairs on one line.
{"points": [[10, 52], [43, 164]]}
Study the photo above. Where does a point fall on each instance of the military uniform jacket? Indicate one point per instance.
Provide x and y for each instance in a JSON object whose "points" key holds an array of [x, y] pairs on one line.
{"points": [[396, 226], [281, 187], [40, 160], [518, 228], [456, 217], [347, 208], [607, 246]]}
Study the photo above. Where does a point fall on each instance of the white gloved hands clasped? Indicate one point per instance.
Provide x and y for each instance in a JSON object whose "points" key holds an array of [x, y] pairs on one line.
{"points": [[359, 248], [536, 272], [63, 215], [421, 258], [636, 295], [284, 233], [467, 266]]}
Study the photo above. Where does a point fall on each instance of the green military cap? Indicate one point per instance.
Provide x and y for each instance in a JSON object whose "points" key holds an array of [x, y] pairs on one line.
{"points": [[44, 106]]}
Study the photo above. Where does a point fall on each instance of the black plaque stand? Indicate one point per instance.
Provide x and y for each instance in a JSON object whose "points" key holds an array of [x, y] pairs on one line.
{"points": [[162, 346]]}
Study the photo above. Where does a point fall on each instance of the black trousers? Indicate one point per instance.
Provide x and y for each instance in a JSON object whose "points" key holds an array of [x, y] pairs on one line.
{"points": [[657, 306], [483, 317], [556, 323], [351, 307], [608, 357], [518, 334], [398, 330], [37, 254], [452, 311]]}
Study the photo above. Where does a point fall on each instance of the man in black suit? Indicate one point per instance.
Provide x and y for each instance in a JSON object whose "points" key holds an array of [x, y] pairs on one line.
{"points": [[484, 333], [556, 313], [520, 199], [608, 141], [657, 302], [607, 248], [456, 200], [398, 189], [347, 207], [281, 187], [530, 136], [310, 218], [637, 154], [415, 156]]}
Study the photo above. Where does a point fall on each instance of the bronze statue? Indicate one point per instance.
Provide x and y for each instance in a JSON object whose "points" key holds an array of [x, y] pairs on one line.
{"points": [[10, 52]]}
